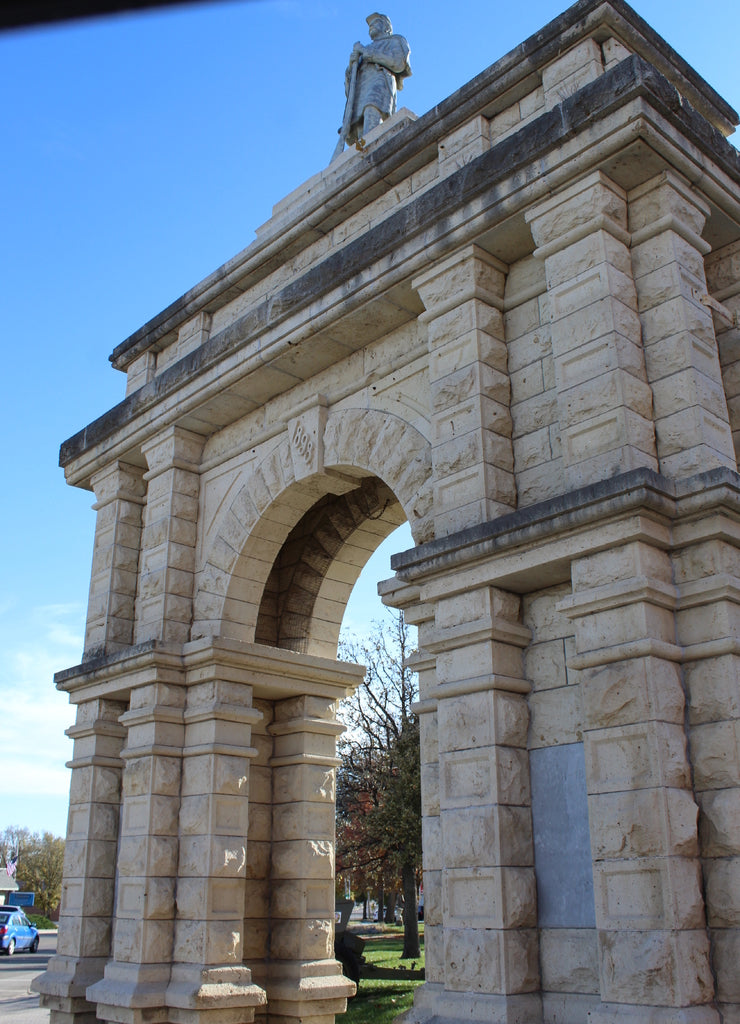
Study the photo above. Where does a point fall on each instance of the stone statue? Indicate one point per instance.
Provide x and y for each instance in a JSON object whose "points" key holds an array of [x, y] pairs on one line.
{"points": [[373, 77]]}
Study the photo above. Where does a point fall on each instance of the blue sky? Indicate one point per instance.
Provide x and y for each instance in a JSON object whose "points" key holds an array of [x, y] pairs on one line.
{"points": [[139, 153]]}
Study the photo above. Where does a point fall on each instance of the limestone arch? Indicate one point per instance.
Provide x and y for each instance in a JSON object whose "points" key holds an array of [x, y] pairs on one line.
{"points": [[357, 446]]}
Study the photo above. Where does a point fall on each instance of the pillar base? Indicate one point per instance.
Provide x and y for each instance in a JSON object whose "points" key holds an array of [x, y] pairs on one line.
{"points": [[62, 988], [433, 1004], [618, 1013], [132, 993], [315, 990], [196, 993]]}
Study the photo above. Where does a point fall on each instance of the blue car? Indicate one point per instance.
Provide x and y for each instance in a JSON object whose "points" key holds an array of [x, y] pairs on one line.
{"points": [[16, 931]]}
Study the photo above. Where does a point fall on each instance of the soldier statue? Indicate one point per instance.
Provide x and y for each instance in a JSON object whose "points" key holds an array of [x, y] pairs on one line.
{"points": [[373, 77]]}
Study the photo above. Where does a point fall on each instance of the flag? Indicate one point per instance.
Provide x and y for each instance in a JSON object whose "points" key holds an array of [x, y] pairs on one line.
{"points": [[11, 863]]}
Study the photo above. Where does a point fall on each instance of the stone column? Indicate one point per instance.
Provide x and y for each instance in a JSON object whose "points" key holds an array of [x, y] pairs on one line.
{"points": [[691, 421], [470, 391], [136, 978], [84, 940], [209, 980], [708, 576], [604, 401], [723, 281], [304, 981], [481, 842], [256, 935], [406, 597], [653, 944], [119, 490], [164, 603]]}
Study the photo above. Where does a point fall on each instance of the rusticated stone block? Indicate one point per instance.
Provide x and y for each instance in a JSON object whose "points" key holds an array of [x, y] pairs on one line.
{"points": [[639, 756], [719, 822], [726, 957], [483, 720], [481, 898], [715, 750], [655, 967], [624, 824], [649, 894], [633, 690], [481, 836], [304, 859], [491, 961], [471, 778], [722, 879]]}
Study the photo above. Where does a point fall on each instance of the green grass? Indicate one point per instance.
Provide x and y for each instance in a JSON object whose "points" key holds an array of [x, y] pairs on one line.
{"points": [[379, 1002]]}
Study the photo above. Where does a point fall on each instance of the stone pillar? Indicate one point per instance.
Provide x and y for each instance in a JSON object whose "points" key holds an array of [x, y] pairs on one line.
{"points": [[423, 663], [164, 603], [304, 981], [708, 576], [119, 490], [691, 421], [481, 842], [723, 281], [136, 978], [84, 940], [256, 940], [604, 401], [653, 944], [209, 980], [470, 391]]}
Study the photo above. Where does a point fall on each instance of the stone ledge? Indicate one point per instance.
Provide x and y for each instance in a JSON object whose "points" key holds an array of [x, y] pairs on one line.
{"points": [[639, 489]]}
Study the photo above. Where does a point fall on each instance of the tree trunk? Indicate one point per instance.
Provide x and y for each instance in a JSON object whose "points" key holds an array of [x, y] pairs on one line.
{"points": [[390, 913], [381, 903], [411, 948], [365, 905]]}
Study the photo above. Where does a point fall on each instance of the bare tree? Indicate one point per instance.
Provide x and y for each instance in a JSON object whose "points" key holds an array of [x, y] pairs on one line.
{"points": [[378, 787]]}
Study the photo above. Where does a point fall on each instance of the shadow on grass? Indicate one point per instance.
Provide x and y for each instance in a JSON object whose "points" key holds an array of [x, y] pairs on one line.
{"points": [[379, 1002]]}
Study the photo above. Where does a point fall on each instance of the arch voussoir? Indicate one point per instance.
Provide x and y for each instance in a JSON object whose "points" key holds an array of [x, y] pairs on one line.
{"points": [[390, 448]]}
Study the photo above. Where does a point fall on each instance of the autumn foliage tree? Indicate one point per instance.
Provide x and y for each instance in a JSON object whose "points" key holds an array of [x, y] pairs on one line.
{"points": [[378, 780], [39, 867]]}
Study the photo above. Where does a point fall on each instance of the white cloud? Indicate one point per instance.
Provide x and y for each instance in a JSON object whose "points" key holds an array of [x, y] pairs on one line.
{"points": [[48, 639]]}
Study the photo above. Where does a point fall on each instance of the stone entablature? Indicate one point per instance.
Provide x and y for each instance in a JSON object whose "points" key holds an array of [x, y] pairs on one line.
{"points": [[512, 322]]}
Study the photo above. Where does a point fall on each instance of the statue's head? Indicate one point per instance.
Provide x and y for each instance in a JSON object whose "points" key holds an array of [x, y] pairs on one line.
{"points": [[379, 26]]}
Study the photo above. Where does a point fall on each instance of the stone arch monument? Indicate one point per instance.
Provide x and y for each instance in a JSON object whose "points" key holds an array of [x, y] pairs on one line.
{"points": [[512, 322]]}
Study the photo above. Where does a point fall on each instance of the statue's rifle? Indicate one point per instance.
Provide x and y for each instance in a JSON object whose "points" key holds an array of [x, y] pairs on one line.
{"points": [[347, 121]]}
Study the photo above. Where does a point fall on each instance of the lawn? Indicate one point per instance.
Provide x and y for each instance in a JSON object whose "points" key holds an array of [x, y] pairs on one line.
{"points": [[378, 1002]]}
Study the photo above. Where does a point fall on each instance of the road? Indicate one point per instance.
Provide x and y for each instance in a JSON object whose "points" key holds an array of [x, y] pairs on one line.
{"points": [[18, 1004]]}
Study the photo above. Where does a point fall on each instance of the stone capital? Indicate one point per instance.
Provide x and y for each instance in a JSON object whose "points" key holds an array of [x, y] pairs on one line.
{"points": [[470, 273], [119, 481], [174, 448], [667, 202], [595, 203]]}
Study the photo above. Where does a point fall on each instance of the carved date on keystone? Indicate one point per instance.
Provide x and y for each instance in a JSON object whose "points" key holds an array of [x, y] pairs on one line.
{"points": [[302, 443]]}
